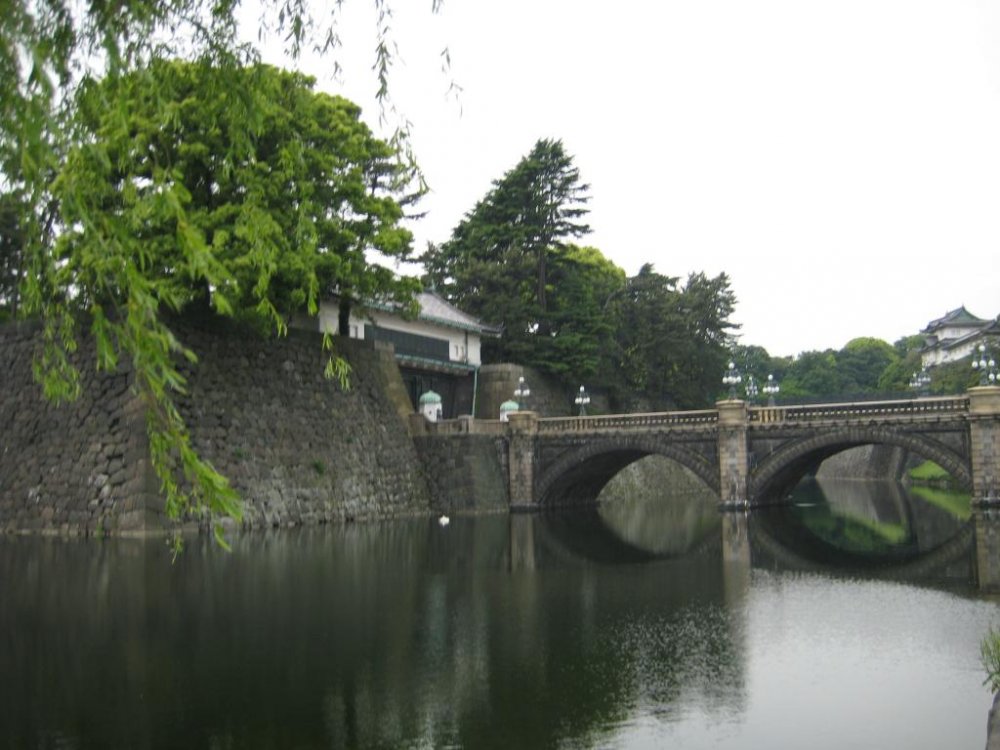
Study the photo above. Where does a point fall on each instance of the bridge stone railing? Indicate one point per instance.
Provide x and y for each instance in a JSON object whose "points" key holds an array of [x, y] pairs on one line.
{"points": [[419, 425], [618, 422], [906, 410], [732, 421]]}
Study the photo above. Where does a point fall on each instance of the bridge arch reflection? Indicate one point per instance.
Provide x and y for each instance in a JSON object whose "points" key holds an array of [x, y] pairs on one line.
{"points": [[751, 540], [779, 471]]}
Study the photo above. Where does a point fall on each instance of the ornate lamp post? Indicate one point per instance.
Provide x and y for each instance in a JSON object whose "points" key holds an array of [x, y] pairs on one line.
{"points": [[986, 365], [751, 388], [771, 388], [921, 382], [521, 394], [581, 400], [732, 378]]}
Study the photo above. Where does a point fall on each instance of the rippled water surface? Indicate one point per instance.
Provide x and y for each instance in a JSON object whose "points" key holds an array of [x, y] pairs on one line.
{"points": [[492, 632]]}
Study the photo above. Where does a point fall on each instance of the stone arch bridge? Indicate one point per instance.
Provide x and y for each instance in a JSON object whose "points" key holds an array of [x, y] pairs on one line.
{"points": [[745, 453]]}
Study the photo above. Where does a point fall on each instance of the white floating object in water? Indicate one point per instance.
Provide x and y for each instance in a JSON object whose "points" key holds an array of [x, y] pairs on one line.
{"points": [[444, 521]]}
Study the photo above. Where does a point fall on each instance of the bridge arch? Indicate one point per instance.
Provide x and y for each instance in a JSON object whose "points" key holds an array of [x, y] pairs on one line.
{"points": [[578, 475], [780, 469]]}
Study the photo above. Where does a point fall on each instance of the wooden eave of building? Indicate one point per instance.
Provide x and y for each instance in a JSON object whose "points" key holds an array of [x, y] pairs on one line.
{"points": [[434, 365]]}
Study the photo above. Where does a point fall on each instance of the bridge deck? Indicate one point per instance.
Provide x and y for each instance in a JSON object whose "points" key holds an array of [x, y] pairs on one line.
{"points": [[900, 411]]}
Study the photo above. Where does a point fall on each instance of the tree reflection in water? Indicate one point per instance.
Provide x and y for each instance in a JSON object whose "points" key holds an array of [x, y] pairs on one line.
{"points": [[529, 631]]}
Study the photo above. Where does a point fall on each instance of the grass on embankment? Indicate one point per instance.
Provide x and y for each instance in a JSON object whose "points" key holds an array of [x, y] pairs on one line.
{"points": [[929, 471], [989, 653]]}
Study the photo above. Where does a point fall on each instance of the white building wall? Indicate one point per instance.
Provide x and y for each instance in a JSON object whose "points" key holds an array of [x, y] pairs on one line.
{"points": [[463, 346], [940, 356], [950, 333]]}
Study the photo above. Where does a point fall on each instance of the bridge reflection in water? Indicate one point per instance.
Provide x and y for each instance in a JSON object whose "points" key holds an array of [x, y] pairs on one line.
{"points": [[751, 457], [859, 527], [497, 631]]}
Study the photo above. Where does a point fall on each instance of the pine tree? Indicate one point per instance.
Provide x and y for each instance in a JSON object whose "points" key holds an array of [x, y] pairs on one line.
{"points": [[497, 263]]}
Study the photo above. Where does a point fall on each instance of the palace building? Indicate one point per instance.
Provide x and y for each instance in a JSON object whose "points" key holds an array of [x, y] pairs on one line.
{"points": [[954, 335], [437, 351]]}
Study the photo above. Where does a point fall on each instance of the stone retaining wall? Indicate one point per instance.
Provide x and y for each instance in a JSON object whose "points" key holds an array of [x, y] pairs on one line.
{"points": [[298, 448], [866, 462], [465, 472], [548, 397], [76, 468]]}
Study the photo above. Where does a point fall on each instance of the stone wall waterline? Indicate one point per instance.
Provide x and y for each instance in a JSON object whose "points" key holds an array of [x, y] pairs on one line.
{"points": [[297, 447]]}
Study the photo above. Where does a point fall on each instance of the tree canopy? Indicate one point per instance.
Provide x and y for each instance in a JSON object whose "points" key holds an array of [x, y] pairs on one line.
{"points": [[182, 190], [53, 139], [497, 263], [568, 310], [865, 367], [673, 341], [12, 249]]}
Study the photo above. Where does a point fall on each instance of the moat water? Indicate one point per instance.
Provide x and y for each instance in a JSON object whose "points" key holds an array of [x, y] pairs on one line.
{"points": [[636, 627]]}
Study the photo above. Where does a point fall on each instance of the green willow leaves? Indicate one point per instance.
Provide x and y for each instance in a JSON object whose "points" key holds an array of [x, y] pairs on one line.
{"points": [[231, 191]]}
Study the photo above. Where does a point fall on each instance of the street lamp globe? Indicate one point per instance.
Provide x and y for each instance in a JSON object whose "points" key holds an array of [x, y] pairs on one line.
{"points": [[985, 364], [732, 378], [752, 388], [921, 382], [771, 388], [521, 393], [581, 400]]}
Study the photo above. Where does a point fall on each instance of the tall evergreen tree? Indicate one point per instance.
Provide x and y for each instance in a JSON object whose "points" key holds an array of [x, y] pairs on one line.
{"points": [[673, 340], [497, 263]]}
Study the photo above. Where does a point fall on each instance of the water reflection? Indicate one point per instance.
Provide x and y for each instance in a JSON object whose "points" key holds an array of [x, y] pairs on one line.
{"points": [[368, 636], [657, 506], [853, 523], [493, 632]]}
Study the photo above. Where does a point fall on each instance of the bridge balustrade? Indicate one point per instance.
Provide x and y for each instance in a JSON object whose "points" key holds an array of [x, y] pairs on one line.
{"points": [[909, 410], [463, 426], [970, 422], [704, 418]]}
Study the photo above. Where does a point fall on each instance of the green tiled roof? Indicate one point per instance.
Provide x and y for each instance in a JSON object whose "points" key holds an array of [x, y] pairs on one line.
{"points": [[957, 317]]}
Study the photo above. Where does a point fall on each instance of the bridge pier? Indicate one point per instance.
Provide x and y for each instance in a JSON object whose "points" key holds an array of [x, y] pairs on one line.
{"points": [[734, 465], [522, 429], [984, 443], [563, 460]]}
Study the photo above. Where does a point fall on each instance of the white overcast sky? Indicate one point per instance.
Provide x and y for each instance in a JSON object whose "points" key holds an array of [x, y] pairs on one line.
{"points": [[839, 159]]}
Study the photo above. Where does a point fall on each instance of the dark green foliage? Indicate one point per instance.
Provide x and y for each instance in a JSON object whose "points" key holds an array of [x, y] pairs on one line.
{"points": [[706, 304], [194, 187], [580, 333], [671, 343], [861, 363], [498, 262], [648, 319], [12, 256], [989, 655], [896, 377], [755, 359], [568, 310], [864, 368], [52, 141], [812, 374], [954, 377]]}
